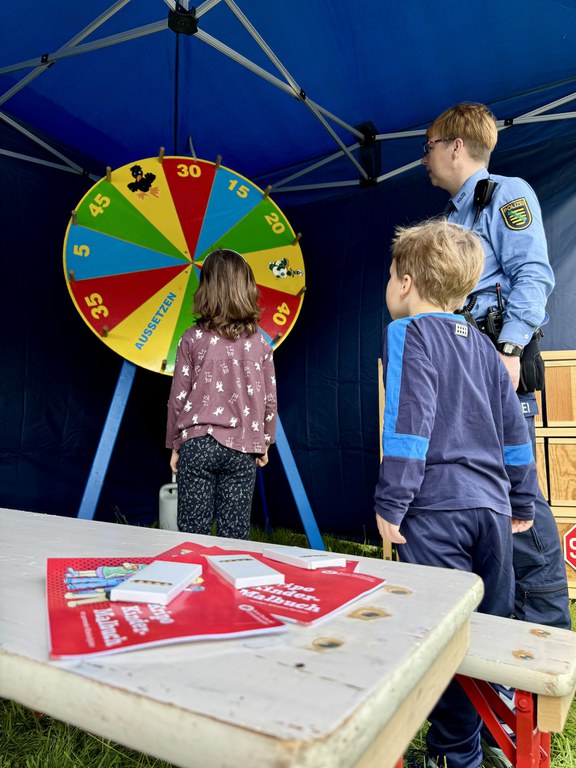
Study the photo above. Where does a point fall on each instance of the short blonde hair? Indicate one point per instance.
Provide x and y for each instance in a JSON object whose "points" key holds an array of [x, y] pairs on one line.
{"points": [[444, 260], [471, 122]]}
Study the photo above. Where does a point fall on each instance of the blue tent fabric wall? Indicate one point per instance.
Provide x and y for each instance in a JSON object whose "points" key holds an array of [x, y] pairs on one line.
{"points": [[549, 167], [110, 106], [58, 379], [327, 371]]}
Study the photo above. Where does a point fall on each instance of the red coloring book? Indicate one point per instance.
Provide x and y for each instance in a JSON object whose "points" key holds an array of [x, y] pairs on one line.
{"points": [[307, 596], [83, 621]]}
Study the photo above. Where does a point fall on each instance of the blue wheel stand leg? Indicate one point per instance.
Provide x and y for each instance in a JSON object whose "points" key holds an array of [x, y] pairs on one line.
{"points": [[106, 445], [93, 488], [298, 491]]}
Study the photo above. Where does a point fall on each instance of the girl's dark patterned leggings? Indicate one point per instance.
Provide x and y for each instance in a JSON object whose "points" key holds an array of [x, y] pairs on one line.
{"points": [[215, 483]]}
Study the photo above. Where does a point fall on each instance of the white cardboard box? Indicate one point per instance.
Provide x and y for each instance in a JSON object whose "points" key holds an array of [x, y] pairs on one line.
{"points": [[310, 559], [243, 570], [160, 582]]}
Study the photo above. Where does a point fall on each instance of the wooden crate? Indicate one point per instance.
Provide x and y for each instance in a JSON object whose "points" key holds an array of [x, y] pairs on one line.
{"points": [[560, 393], [558, 401], [556, 444], [562, 470], [541, 466], [539, 418]]}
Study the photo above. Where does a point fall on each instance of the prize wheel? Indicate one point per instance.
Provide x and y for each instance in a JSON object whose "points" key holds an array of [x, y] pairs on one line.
{"points": [[136, 242]]}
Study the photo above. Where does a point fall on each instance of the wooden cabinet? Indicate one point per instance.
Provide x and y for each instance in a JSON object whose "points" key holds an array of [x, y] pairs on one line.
{"points": [[556, 444]]}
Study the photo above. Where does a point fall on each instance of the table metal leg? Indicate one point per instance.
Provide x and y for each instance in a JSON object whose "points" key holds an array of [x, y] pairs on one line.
{"points": [[531, 747]]}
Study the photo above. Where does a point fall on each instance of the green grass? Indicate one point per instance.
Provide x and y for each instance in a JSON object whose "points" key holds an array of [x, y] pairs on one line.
{"points": [[30, 740], [33, 740], [563, 752], [332, 543]]}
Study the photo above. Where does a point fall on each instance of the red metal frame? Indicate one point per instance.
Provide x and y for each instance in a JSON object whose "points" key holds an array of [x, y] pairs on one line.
{"points": [[531, 748]]}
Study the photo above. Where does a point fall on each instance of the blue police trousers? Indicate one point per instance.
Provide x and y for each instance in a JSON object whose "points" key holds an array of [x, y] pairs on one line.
{"points": [[539, 568]]}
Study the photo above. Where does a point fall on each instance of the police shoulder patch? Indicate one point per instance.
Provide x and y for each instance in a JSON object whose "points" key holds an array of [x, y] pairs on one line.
{"points": [[517, 214]]}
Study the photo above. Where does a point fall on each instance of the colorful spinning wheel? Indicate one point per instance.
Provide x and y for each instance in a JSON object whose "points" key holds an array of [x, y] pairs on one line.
{"points": [[135, 245]]}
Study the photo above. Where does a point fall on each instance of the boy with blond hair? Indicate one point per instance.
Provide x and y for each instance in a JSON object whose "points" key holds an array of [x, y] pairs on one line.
{"points": [[457, 477]]}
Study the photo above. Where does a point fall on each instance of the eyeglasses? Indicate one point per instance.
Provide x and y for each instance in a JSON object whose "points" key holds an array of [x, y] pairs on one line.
{"points": [[427, 145]]}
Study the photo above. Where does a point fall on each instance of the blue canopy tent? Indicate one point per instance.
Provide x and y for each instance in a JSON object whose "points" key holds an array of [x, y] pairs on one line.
{"points": [[327, 103]]}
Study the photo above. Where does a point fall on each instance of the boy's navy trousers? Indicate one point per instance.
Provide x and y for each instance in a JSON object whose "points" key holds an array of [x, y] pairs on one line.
{"points": [[477, 540]]}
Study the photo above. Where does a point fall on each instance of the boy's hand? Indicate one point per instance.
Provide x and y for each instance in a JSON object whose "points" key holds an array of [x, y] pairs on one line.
{"points": [[519, 526], [174, 461], [512, 365], [389, 532]]}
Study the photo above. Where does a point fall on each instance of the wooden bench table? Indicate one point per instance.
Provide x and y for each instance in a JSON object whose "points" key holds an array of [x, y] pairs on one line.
{"points": [[352, 690], [539, 662]]}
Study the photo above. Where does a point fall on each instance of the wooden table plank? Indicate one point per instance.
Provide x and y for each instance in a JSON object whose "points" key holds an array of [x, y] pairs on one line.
{"points": [[280, 700]]}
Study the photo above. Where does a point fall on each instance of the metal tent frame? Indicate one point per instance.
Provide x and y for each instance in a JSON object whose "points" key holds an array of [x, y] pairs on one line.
{"points": [[285, 83]]}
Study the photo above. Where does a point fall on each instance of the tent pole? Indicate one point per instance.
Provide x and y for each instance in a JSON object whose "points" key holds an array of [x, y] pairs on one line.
{"points": [[312, 107], [106, 445], [39, 141], [282, 69], [247, 24], [74, 50], [300, 95], [202, 9], [104, 42], [313, 167], [36, 160], [551, 105], [544, 118], [319, 185], [279, 186], [70, 44], [532, 117]]}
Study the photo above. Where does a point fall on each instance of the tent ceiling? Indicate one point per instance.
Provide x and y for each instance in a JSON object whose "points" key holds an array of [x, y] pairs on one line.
{"points": [[396, 66]]}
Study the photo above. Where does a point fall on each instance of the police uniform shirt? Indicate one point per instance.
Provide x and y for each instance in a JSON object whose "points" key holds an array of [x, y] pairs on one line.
{"points": [[514, 241], [443, 379]]}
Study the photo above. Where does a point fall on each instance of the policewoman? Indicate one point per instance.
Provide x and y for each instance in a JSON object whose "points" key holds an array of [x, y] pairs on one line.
{"points": [[509, 304]]}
